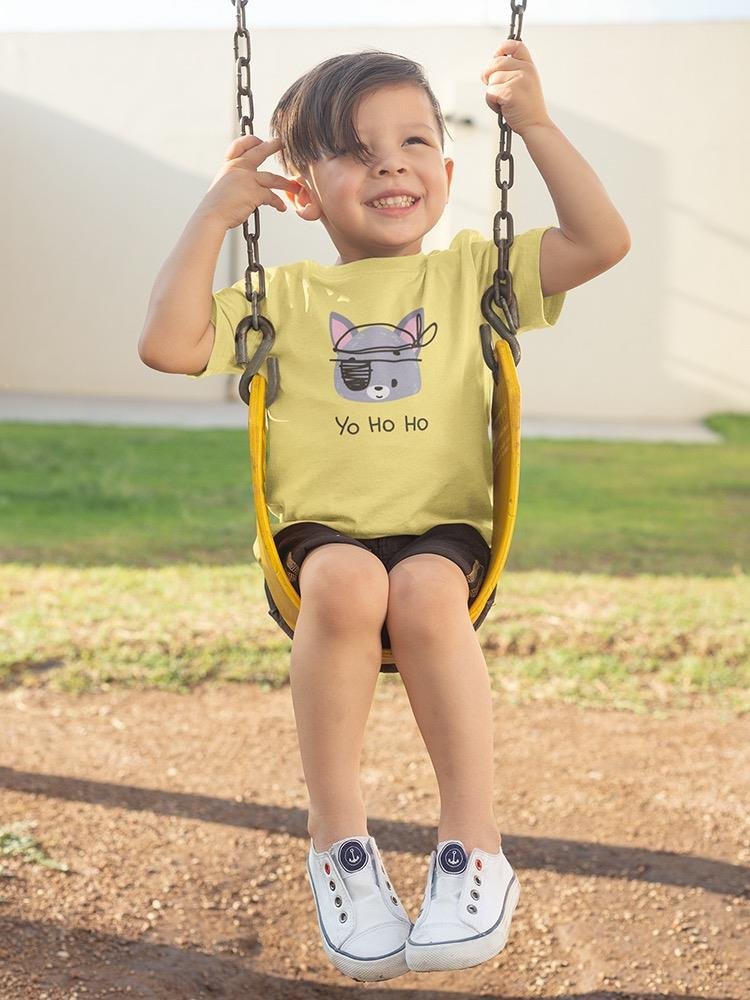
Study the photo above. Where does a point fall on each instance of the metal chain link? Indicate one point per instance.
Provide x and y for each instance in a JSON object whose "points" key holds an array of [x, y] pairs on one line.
{"points": [[255, 320], [244, 90], [501, 293], [503, 280]]}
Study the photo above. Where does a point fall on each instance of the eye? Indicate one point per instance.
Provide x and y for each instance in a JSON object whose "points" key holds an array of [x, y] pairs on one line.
{"points": [[417, 137]]}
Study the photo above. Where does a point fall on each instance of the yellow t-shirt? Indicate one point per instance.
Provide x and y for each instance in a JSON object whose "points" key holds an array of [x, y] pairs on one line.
{"points": [[380, 425]]}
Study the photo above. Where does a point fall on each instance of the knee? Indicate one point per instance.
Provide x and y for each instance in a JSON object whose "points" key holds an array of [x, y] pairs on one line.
{"points": [[426, 593], [345, 586]]}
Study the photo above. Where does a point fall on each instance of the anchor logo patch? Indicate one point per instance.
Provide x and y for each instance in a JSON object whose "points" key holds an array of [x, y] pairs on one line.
{"points": [[352, 856], [453, 859]]}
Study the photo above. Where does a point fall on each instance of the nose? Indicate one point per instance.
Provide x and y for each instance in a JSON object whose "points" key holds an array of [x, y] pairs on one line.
{"points": [[391, 161], [389, 170]]}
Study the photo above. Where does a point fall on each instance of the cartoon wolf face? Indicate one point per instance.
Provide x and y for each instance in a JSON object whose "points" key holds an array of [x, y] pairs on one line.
{"points": [[377, 361]]}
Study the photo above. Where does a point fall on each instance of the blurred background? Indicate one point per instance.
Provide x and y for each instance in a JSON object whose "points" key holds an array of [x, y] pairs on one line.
{"points": [[117, 117]]}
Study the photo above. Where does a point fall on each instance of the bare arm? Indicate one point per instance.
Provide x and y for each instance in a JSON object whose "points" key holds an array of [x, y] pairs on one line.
{"points": [[592, 236], [178, 334]]}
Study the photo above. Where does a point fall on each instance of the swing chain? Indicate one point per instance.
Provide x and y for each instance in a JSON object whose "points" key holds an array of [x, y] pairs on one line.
{"points": [[255, 320], [501, 292], [242, 63]]}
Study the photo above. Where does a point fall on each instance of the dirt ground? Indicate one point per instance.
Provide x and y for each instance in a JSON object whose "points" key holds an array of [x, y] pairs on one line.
{"points": [[183, 821]]}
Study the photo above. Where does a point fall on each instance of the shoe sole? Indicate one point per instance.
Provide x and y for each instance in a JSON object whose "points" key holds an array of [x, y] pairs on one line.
{"points": [[364, 970], [447, 955]]}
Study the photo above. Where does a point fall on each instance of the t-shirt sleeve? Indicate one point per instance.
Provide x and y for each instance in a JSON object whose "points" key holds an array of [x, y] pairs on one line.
{"points": [[229, 306], [535, 310]]}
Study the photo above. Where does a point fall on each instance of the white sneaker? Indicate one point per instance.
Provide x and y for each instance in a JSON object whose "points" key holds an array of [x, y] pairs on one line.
{"points": [[363, 926], [467, 909]]}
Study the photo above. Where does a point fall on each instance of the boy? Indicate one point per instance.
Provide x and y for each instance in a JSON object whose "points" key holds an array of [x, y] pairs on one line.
{"points": [[379, 467]]}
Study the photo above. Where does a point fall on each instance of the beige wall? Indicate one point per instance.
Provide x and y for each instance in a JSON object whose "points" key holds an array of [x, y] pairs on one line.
{"points": [[111, 139]]}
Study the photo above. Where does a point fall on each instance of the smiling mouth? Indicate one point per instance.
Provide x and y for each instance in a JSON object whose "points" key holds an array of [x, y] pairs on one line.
{"points": [[398, 209]]}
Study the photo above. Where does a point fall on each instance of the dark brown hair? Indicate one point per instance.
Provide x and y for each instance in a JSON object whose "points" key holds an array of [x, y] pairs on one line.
{"points": [[315, 117]]}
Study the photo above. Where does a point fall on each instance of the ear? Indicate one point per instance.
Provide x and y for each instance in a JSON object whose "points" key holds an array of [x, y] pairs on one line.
{"points": [[303, 199], [411, 326], [449, 171], [341, 329]]}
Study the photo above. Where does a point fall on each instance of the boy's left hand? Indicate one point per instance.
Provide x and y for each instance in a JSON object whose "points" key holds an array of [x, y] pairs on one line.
{"points": [[513, 86]]}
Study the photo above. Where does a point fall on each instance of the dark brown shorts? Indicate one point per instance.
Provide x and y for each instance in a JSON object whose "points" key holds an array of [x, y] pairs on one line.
{"points": [[461, 543]]}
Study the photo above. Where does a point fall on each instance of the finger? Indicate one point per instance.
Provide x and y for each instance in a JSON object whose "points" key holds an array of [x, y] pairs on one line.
{"points": [[270, 180], [499, 77], [241, 143], [504, 64], [494, 73], [263, 150], [275, 201], [244, 143], [255, 140], [496, 96], [513, 47]]}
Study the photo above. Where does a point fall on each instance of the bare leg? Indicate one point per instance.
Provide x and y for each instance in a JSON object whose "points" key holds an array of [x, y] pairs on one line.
{"points": [[445, 675], [335, 662]]}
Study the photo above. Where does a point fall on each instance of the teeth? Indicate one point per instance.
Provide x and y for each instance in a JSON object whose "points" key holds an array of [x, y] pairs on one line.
{"points": [[402, 201]]}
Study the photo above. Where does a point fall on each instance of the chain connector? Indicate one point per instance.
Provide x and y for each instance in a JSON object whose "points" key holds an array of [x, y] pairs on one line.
{"points": [[506, 330], [252, 367]]}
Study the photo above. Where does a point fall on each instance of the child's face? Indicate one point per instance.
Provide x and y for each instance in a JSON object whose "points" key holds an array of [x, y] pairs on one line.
{"points": [[398, 126]]}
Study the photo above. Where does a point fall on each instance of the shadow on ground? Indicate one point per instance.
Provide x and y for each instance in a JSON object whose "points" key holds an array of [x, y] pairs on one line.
{"points": [[571, 857], [159, 972]]}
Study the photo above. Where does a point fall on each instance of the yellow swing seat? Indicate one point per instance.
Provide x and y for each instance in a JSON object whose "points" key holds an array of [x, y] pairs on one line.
{"points": [[506, 459]]}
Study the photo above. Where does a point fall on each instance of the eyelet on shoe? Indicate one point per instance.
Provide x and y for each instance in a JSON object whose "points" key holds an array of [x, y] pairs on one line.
{"points": [[337, 901], [327, 868], [332, 884], [343, 917], [471, 908], [478, 863], [394, 900], [478, 880], [474, 894], [388, 884]]}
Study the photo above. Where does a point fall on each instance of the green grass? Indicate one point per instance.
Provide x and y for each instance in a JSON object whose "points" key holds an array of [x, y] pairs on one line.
{"points": [[635, 642], [81, 495], [16, 841], [88, 495], [128, 562], [588, 506]]}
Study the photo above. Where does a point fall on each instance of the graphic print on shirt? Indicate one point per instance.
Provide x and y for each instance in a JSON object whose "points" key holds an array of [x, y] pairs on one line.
{"points": [[377, 362]]}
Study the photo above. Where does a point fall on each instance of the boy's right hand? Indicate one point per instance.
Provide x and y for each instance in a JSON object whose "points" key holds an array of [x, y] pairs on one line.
{"points": [[239, 188]]}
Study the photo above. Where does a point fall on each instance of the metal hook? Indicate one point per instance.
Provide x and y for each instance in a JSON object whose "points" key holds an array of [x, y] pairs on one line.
{"points": [[507, 332], [252, 367]]}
